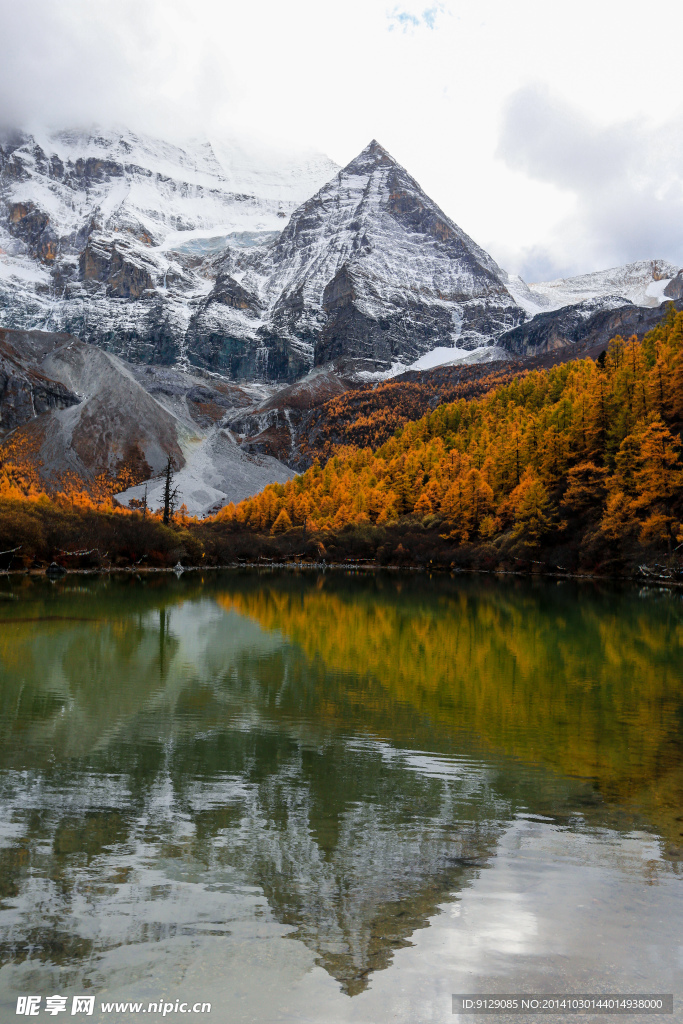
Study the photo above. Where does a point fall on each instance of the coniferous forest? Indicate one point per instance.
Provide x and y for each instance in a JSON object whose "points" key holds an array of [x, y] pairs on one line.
{"points": [[575, 468], [585, 456]]}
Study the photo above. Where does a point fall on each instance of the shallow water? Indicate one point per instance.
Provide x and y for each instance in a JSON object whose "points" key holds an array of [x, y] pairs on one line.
{"points": [[337, 798]]}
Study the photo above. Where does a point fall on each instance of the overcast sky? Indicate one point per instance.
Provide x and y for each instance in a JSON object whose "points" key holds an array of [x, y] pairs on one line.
{"points": [[552, 133]]}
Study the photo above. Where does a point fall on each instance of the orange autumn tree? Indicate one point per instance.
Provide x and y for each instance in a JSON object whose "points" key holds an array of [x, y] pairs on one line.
{"points": [[585, 445]]}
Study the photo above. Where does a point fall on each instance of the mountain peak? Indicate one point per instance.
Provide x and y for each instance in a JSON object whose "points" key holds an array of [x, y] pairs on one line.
{"points": [[371, 157]]}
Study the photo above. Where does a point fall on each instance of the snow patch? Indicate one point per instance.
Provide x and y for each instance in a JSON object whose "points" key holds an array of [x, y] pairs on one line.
{"points": [[655, 290], [438, 357], [449, 356]]}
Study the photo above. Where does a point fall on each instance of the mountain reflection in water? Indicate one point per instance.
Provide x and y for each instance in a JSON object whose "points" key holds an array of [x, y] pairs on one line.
{"points": [[347, 751]]}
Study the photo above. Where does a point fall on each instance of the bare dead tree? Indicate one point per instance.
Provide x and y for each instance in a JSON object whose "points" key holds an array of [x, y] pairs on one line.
{"points": [[170, 493]]}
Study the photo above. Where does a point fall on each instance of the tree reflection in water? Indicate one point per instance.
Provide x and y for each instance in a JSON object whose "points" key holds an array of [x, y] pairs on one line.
{"points": [[351, 748]]}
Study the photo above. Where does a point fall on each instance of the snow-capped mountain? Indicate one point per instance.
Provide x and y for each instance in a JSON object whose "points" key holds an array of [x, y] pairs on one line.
{"points": [[157, 192], [163, 254], [368, 268], [106, 234], [588, 310], [584, 327], [258, 265]]}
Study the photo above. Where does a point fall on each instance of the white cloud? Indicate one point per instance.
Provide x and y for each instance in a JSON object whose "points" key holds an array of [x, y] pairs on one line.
{"points": [[434, 89], [626, 180]]}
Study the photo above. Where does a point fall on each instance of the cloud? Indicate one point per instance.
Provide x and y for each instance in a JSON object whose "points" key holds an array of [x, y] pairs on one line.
{"points": [[626, 180], [407, 20], [78, 62], [429, 79]]}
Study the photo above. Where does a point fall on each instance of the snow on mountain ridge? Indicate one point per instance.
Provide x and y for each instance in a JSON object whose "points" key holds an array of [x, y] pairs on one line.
{"points": [[152, 175], [642, 282], [370, 267]]}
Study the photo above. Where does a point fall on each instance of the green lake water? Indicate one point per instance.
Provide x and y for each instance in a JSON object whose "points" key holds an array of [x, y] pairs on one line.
{"points": [[337, 798]]}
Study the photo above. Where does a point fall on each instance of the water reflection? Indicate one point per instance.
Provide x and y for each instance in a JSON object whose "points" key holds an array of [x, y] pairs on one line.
{"points": [[340, 756]]}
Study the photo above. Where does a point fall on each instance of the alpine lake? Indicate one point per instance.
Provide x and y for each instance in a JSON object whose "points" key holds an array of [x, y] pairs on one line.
{"points": [[332, 797]]}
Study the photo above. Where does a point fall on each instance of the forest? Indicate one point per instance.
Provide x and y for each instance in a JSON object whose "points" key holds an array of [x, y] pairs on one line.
{"points": [[585, 456], [368, 416], [573, 468]]}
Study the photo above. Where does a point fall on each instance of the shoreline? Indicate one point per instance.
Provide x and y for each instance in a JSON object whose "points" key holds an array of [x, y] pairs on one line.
{"points": [[343, 567]]}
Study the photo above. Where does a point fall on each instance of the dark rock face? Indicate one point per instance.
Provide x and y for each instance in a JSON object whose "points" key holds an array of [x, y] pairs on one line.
{"points": [[32, 226], [92, 169], [350, 334], [582, 326], [150, 339], [268, 357], [127, 280], [230, 293], [25, 392], [117, 264], [674, 289], [340, 292], [11, 166], [277, 426]]}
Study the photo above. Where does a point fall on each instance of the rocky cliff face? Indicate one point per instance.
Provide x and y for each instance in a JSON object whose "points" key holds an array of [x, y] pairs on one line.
{"points": [[674, 288], [72, 411], [583, 326], [25, 391]]}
